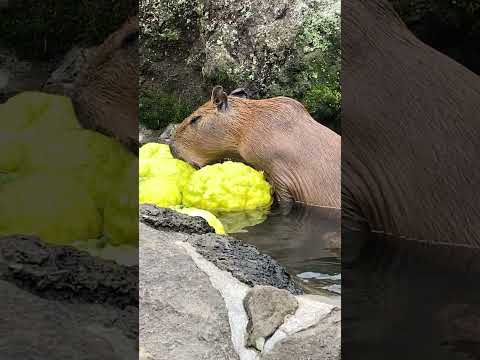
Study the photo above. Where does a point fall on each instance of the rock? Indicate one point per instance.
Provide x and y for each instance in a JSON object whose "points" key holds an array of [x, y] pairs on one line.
{"points": [[65, 273], [260, 343], [143, 355], [170, 220], [260, 46], [62, 79], [312, 333], [167, 134], [182, 273], [244, 261], [321, 342], [288, 47], [182, 316], [266, 307], [19, 75], [146, 136], [33, 327], [156, 136], [60, 303]]}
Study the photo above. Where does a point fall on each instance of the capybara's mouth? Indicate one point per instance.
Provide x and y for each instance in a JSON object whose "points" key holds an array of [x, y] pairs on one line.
{"points": [[176, 155], [173, 149]]}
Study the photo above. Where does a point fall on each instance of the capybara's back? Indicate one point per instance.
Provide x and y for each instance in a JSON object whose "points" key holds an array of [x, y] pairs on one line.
{"points": [[106, 90]]}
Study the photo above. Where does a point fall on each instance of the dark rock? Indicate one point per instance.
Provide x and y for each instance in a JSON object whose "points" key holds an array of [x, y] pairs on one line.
{"points": [[18, 75], [65, 273], [263, 46], [33, 327], [243, 261], [59, 303], [170, 220]]}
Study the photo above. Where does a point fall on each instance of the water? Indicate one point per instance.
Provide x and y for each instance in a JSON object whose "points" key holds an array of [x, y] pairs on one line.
{"points": [[306, 241], [404, 299]]}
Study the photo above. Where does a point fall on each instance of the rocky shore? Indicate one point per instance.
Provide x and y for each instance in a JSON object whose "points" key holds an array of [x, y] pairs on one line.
{"points": [[61, 303], [194, 295], [250, 306]]}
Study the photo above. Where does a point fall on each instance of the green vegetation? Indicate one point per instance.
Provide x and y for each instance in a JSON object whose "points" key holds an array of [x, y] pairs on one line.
{"points": [[157, 109], [43, 29], [316, 83], [190, 44]]}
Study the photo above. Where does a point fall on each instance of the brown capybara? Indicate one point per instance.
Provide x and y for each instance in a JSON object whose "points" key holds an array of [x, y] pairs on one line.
{"points": [[300, 157], [411, 130], [105, 92]]}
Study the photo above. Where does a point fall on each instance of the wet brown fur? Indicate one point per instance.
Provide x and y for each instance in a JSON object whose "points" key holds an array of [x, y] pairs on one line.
{"points": [[300, 157], [410, 125], [106, 90]]}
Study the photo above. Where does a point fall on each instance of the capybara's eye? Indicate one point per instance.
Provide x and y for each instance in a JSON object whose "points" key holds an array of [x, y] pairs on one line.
{"points": [[195, 119]]}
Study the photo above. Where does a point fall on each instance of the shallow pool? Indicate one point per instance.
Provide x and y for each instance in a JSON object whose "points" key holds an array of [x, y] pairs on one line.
{"points": [[306, 241]]}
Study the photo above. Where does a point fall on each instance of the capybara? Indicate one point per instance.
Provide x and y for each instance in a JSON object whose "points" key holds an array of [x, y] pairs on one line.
{"points": [[411, 134], [105, 93], [410, 150], [300, 157]]}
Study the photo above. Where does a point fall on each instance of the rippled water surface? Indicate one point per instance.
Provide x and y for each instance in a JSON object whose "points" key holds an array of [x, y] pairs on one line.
{"points": [[306, 241]]}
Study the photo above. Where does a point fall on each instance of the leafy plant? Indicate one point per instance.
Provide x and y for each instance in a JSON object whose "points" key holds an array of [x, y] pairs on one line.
{"points": [[157, 109]]}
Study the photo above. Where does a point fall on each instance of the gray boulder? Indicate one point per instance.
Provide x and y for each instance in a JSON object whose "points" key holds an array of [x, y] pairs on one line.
{"points": [[17, 75], [266, 307], [162, 136], [61, 303], [287, 47], [182, 316], [319, 342], [61, 81]]}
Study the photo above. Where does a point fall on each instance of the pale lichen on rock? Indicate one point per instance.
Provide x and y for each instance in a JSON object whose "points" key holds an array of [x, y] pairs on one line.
{"points": [[289, 48]]}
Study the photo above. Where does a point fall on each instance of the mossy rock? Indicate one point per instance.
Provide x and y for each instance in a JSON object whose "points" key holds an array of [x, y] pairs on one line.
{"points": [[289, 48]]}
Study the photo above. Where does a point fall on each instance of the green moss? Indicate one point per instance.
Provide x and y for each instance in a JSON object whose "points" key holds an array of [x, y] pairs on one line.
{"points": [[324, 103], [313, 74], [166, 23], [308, 70], [157, 109], [42, 29]]}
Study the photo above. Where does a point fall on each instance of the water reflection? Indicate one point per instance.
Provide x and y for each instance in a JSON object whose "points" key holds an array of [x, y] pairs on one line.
{"points": [[303, 239], [409, 300]]}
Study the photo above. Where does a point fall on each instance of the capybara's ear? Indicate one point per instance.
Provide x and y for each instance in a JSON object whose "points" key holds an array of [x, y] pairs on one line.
{"points": [[219, 98], [240, 92]]}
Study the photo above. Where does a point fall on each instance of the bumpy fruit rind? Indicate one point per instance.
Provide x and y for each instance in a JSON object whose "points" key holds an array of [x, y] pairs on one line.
{"points": [[229, 186]]}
